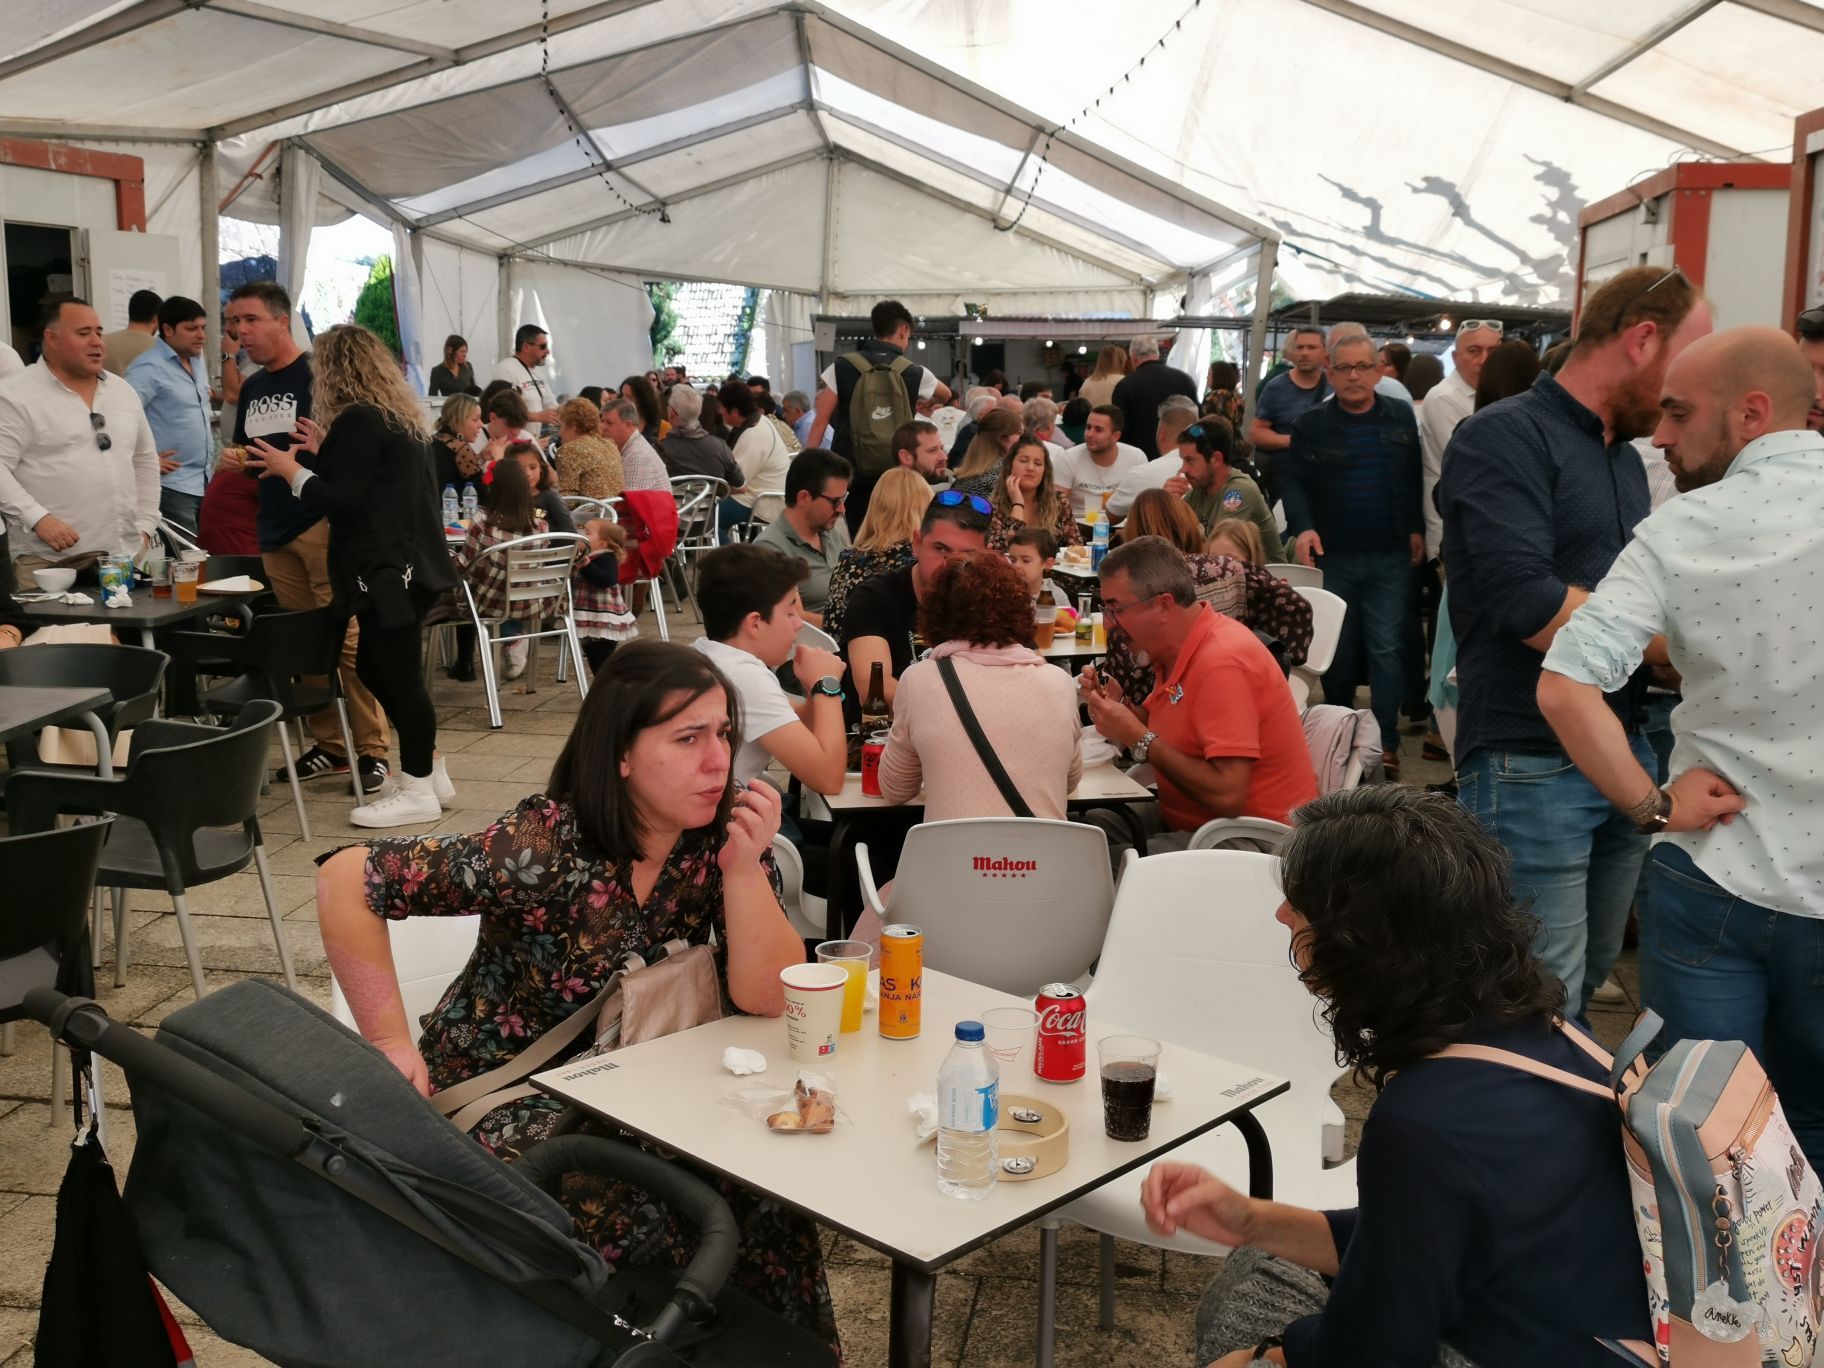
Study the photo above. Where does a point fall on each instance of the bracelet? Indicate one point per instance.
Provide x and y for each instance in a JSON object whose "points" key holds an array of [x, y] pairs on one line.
{"points": [[1652, 812], [1019, 505], [1270, 1342]]}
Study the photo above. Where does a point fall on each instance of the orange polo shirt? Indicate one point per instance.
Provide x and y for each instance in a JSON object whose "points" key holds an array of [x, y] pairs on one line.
{"points": [[1224, 697]]}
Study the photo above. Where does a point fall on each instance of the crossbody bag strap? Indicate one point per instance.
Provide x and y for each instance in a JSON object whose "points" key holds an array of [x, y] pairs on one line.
{"points": [[529, 1060], [946, 667]]}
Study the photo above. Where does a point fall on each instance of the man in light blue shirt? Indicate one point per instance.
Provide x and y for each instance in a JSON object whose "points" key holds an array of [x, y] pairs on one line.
{"points": [[1733, 928], [795, 408], [173, 386]]}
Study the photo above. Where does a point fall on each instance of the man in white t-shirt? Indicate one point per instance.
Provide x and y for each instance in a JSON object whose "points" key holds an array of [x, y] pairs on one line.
{"points": [[531, 349], [751, 618], [1099, 463]]}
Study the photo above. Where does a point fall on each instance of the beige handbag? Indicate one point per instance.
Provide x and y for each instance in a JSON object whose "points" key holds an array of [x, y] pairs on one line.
{"points": [[640, 1002]]}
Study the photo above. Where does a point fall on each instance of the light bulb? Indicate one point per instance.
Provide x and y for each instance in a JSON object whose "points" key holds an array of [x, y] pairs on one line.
{"points": [[978, 341], [1050, 343], [1082, 351], [1444, 325], [921, 344]]}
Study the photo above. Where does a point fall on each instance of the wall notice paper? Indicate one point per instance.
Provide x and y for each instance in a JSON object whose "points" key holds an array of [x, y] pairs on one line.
{"points": [[122, 284]]}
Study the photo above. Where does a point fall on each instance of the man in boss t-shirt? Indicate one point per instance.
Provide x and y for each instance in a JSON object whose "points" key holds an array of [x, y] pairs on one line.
{"points": [[294, 542], [1219, 728], [892, 323]]}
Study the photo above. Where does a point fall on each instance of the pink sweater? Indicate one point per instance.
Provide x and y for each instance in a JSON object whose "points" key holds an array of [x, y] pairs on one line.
{"points": [[1027, 708]]}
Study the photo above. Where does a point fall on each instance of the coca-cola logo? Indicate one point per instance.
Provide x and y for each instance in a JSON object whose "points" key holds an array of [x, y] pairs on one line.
{"points": [[1061, 1021], [1000, 867]]}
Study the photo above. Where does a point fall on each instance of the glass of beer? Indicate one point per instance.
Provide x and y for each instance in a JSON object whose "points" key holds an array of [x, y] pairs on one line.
{"points": [[183, 580], [1129, 1066], [1044, 625], [853, 956]]}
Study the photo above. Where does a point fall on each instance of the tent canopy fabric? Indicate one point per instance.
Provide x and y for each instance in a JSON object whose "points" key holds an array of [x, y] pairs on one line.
{"points": [[950, 151]]}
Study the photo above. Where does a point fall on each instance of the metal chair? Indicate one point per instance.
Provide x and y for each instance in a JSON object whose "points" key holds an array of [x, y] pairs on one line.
{"points": [[699, 499], [1299, 576], [538, 571], [654, 589], [1260, 834], [757, 524], [185, 790], [177, 539]]}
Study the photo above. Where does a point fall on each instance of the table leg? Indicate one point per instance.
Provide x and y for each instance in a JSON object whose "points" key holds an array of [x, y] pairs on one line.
{"points": [[1260, 1156], [914, 1301], [146, 639], [1048, 1292], [104, 746], [840, 829]]}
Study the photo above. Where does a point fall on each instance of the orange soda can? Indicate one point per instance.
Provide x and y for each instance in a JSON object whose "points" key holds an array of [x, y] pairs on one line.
{"points": [[902, 981]]}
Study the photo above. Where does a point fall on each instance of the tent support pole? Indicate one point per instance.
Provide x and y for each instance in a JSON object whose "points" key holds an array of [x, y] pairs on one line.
{"points": [[209, 192], [504, 305], [1257, 333]]}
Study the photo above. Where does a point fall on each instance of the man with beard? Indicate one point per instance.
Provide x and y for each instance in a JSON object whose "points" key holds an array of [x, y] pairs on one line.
{"points": [[1733, 927], [1540, 495]]}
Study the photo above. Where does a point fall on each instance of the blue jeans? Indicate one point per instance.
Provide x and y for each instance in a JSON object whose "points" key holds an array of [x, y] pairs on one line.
{"points": [[1576, 859], [1656, 726], [1377, 586], [180, 508], [730, 514], [1718, 967]]}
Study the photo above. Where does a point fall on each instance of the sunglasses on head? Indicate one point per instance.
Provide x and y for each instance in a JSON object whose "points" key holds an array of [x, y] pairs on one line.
{"points": [[950, 498], [1493, 325]]}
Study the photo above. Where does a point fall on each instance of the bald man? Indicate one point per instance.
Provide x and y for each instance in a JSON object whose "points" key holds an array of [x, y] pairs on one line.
{"points": [[1730, 573]]}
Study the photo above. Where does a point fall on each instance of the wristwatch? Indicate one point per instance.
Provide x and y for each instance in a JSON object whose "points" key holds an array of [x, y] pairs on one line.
{"points": [[829, 686], [1143, 747], [1653, 813]]}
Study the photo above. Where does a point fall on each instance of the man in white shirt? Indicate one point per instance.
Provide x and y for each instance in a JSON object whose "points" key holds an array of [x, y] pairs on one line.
{"points": [[1175, 415], [1098, 464], [1733, 926], [947, 418], [1451, 400], [9, 361], [751, 618], [531, 349], [78, 464]]}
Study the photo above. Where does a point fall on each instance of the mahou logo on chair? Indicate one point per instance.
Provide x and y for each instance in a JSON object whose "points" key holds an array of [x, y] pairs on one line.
{"points": [[999, 867]]}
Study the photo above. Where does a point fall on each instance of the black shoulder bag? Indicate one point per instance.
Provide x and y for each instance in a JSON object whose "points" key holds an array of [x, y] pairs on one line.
{"points": [[946, 667]]}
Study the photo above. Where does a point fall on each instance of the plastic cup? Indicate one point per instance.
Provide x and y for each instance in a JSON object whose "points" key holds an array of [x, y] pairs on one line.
{"points": [[1098, 633], [183, 580], [1129, 1067], [854, 957], [813, 1009], [158, 575], [1010, 1033], [1044, 625]]}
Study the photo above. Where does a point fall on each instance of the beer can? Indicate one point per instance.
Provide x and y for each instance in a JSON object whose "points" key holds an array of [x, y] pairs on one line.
{"points": [[902, 981], [1063, 1039], [871, 751]]}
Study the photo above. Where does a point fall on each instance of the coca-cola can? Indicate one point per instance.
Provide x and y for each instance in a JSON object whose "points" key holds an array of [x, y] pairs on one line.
{"points": [[1063, 1040]]}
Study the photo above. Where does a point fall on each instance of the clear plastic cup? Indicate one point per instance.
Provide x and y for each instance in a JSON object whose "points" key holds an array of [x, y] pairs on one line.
{"points": [[1129, 1068], [1011, 1033], [853, 956], [1044, 625], [183, 579]]}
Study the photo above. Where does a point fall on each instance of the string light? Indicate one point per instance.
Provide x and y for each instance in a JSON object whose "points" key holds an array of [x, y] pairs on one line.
{"points": [[587, 148]]}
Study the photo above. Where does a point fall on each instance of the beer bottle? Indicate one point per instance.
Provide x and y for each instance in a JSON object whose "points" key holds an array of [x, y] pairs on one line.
{"points": [[876, 715]]}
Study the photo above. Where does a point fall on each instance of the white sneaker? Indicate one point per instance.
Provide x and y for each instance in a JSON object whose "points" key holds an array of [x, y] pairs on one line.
{"points": [[412, 801], [517, 654], [1610, 992], [440, 783]]}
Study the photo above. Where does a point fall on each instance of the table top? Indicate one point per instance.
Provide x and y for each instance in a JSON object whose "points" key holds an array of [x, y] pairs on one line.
{"points": [[870, 1177], [26, 708], [1101, 783], [147, 610], [1065, 646]]}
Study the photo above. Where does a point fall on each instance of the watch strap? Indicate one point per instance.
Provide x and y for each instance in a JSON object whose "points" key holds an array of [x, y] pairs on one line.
{"points": [[829, 686]]}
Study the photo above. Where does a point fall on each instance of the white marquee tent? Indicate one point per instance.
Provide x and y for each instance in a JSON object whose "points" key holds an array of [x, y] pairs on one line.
{"points": [[540, 160]]}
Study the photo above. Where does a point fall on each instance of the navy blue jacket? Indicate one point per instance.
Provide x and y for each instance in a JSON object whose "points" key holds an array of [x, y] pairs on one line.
{"points": [[1356, 479]]}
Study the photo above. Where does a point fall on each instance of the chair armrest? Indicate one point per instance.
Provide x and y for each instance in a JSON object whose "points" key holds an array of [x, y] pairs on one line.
{"points": [[869, 893], [163, 733], [34, 798]]}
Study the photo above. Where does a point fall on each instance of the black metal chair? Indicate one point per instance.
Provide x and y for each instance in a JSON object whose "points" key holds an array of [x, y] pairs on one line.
{"points": [[132, 675], [185, 815], [276, 654]]}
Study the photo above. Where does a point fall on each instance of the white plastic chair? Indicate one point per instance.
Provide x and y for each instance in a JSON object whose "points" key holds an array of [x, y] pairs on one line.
{"points": [[1010, 902], [1194, 957], [808, 913], [1260, 834], [1301, 576], [1327, 612], [427, 953], [538, 570]]}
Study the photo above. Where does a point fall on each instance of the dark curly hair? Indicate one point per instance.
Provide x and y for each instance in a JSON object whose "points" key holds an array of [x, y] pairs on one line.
{"points": [[978, 598], [1413, 937]]}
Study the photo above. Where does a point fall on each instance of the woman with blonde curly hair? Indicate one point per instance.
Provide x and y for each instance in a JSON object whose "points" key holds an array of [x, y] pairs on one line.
{"points": [[884, 542], [371, 477]]}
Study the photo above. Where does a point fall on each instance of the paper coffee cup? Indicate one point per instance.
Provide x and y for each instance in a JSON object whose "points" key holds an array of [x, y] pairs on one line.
{"points": [[813, 1009]]}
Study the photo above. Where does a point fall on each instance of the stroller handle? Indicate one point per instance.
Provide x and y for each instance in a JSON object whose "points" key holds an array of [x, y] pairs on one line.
{"points": [[718, 1237]]}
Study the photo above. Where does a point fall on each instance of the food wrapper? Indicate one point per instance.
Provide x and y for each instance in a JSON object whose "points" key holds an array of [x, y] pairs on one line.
{"points": [[738, 1061], [808, 1109]]}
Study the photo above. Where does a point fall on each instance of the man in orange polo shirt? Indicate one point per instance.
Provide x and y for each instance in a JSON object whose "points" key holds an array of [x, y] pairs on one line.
{"points": [[1219, 727]]}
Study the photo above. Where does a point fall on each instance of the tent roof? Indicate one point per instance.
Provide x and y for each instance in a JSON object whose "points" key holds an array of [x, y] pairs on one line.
{"points": [[1439, 149]]}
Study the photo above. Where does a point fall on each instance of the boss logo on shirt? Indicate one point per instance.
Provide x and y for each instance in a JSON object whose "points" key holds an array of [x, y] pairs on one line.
{"points": [[272, 414]]}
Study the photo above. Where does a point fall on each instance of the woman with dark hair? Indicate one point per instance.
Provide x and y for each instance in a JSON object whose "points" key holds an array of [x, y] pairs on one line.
{"points": [[645, 397], [1510, 369], [543, 481], [641, 837], [1493, 1206], [978, 615], [455, 375], [761, 453], [984, 464], [510, 514], [1423, 373], [712, 420], [1223, 395], [1073, 419], [1028, 497]]}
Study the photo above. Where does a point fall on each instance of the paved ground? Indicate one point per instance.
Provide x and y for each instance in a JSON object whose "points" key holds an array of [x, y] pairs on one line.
{"points": [[986, 1303]]}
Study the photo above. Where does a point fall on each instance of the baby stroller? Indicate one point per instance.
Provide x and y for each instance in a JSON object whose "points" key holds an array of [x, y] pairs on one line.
{"points": [[291, 1187]]}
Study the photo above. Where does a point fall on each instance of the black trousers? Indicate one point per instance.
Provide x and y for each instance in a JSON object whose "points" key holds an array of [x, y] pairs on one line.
{"points": [[389, 660]]}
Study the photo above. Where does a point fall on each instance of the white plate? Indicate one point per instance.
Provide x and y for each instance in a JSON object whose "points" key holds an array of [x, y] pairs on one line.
{"points": [[234, 584]]}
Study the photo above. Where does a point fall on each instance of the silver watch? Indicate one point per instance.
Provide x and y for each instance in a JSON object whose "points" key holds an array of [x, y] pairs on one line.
{"points": [[1143, 747]]}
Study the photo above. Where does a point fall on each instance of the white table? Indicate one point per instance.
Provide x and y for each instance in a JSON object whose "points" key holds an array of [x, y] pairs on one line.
{"points": [[1066, 648], [870, 1178]]}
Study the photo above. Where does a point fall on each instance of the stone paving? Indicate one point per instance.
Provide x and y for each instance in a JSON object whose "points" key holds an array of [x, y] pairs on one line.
{"points": [[986, 1303]]}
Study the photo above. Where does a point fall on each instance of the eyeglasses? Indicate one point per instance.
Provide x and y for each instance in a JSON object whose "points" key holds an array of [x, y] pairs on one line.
{"points": [[950, 498], [1116, 610], [834, 500], [1810, 325], [1640, 294], [103, 442], [1355, 367]]}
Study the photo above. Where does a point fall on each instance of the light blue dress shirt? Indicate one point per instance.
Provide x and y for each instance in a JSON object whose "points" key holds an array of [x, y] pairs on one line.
{"points": [[176, 401], [1732, 574]]}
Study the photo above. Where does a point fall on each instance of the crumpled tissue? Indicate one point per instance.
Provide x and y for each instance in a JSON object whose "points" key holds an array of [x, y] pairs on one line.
{"points": [[922, 1107], [743, 1061], [1162, 1086], [73, 597], [116, 598]]}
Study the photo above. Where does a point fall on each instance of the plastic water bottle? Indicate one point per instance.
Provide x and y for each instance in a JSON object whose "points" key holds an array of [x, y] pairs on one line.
{"points": [[1098, 543], [469, 503], [450, 506], [968, 1109]]}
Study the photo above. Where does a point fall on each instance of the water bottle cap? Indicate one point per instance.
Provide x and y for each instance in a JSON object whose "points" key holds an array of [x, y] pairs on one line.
{"points": [[969, 1030]]}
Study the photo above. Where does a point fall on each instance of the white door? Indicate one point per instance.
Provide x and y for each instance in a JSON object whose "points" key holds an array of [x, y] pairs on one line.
{"points": [[115, 264]]}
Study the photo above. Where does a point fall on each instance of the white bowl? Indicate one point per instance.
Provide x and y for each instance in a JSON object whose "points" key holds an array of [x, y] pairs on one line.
{"points": [[55, 581]]}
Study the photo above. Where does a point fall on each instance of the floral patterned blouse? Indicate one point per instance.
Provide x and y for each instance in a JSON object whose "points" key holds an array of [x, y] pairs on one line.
{"points": [[1002, 528], [852, 567]]}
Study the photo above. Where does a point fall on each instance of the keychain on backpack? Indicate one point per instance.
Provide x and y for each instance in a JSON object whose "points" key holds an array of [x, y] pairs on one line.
{"points": [[1715, 1313]]}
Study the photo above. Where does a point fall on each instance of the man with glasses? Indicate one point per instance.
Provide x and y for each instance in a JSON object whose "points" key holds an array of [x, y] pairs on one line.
{"points": [[810, 528], [1452, 400], [78, 464], [1219, 728], [1351, 483], [531, 349], [1540, 495]]}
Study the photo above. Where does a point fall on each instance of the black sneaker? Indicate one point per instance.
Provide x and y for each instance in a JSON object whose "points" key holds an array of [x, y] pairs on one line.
{"points": [[316, 763], [374, 773]]}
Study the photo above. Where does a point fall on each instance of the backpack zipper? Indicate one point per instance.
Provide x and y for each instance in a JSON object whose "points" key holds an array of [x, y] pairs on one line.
{"points": [[1663, 1116]]}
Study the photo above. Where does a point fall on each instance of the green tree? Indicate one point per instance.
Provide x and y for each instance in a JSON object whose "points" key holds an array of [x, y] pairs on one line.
{"points": [[374, 309], [662, 294]]}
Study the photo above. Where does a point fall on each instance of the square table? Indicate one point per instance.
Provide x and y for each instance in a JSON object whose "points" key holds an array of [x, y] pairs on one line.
{"points": [[147, 614], [27, 708], [870, 1178]]}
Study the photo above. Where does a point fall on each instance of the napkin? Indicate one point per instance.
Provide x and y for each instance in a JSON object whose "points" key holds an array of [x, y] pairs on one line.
{"points": [[1097, 748], [1162, 1086], [112, 598], [922, 1107], [743, 1061], [234, 584], [71, 597]]}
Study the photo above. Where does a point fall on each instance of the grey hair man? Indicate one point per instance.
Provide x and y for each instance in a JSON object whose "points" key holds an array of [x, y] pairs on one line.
{"points": [[1143, 389], [1386, 384], [1041, 418], [688, 450], [1452, 400]]}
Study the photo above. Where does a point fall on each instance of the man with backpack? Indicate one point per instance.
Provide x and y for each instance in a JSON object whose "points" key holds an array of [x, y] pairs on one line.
{"points": [[867, 394]]}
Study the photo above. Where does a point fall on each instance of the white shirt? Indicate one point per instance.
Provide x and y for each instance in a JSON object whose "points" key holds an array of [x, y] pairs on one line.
{"points": [[1451, 400], [50, 463], [764, 705], [524, 379], [764, 459], [949, 421], [1730, 573], [927, 384], [9, 361], [1152, 475], [1077, 471]]}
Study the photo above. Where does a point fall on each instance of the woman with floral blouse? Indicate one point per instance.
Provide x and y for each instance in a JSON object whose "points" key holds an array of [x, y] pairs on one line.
{"points": [[1027, 496], [641, 837]]}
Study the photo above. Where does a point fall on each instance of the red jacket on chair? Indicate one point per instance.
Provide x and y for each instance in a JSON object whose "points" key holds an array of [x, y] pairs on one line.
{"points": [[651, 519]]}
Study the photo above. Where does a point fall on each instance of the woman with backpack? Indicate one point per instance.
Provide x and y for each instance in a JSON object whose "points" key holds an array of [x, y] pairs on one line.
{"points": [[1494, 1224]]}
